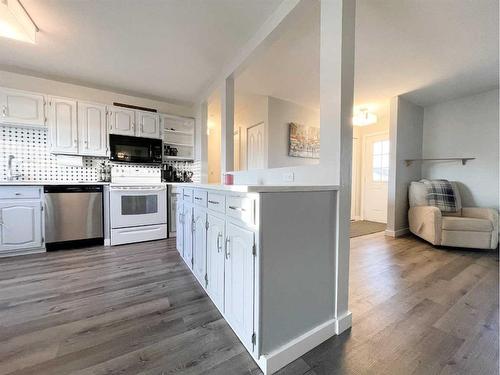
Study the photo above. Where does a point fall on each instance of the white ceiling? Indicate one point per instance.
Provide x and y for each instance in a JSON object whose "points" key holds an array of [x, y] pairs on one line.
{"points": [[161, 49], [429, 50]]}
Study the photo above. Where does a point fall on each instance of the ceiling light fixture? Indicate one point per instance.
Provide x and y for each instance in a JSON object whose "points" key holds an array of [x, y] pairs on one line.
{"points": [[16, 23], [364, 118]]}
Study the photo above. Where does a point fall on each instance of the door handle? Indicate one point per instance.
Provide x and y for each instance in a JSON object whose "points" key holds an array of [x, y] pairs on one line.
{"points": [[219, 245], [228, 241]]}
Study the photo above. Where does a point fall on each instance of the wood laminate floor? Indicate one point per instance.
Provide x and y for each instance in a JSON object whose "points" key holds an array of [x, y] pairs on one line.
{"points": [[136, 309]]}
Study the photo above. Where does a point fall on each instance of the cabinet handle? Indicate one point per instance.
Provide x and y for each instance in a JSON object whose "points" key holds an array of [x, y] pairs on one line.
{"points": [[228, 241], [213, 202], [198, 198], [219, 245], [237, 208], [4, 111]]}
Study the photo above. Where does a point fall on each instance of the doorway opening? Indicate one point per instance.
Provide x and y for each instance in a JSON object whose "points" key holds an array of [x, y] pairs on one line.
{"points": [[370, 175]]}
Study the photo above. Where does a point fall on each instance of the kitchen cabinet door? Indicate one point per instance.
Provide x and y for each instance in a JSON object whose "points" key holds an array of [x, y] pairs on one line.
{"points": [[148, 124], [121, 121], [92, 129], [22, 108], [63, 129], [239, 282], [20, 225], [188, 234], [200, 245], [179, 234], [215, 260]]}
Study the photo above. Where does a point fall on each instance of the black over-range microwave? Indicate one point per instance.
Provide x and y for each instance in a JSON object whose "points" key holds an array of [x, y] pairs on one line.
{"points": [[128, 149]]}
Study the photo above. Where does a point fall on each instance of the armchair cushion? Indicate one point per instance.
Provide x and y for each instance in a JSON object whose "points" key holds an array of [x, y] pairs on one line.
{"points": [[466, 224]]}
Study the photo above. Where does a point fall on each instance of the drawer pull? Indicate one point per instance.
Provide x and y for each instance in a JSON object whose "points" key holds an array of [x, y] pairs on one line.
{"points": [[18, 193], [198, 198], [213, 202], [237, 208]]}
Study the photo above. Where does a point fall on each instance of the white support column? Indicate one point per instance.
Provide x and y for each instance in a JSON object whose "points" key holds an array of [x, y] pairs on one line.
{"points": [[227, 126], [337, 85], [203, 139]]}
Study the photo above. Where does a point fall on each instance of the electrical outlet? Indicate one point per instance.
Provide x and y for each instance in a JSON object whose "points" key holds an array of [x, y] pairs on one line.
{"points": [[288, 177]]}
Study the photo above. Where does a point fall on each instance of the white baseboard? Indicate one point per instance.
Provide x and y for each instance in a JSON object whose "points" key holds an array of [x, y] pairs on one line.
{"points": [[270, 363], [107, 242], [11, 253], [343, 323], [397, 233]]}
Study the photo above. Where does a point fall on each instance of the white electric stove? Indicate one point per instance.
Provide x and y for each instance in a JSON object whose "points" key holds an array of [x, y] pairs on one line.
{"points": [[138, 205]]}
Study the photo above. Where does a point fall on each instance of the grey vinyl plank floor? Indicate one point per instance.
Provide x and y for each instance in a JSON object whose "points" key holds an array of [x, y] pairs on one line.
{"points": [[137, 309]]}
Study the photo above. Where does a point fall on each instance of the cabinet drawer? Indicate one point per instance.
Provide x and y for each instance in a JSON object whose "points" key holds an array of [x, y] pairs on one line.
{"points": [[216, 202], [187, 195], [241, 208], [20, 192], [200, 197]]}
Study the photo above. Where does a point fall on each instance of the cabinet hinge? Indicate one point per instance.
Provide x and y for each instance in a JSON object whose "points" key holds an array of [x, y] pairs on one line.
{"points": [[254, 338], [207, 225], [254, 249]]}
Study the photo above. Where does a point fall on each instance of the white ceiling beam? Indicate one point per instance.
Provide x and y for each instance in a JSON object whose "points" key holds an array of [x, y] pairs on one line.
{"points": [[259, 39]]}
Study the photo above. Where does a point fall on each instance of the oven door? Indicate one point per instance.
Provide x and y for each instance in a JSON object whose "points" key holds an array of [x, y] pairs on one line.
{"points": [[137, 206]]}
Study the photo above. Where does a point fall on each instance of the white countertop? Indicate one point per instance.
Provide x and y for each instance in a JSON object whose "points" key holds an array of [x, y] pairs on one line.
{"points": [[257, 188], [42, 183]]}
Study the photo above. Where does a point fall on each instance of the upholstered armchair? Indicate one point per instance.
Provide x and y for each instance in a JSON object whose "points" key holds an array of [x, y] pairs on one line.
{"points": [[470, 227]]}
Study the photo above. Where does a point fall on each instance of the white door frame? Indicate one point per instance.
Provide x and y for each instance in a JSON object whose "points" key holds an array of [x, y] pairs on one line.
{"points": [[363, 167]]}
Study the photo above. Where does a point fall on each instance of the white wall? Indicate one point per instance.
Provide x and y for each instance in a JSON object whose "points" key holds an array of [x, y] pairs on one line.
{"points": [[465, 127], [281, 114], [406, 128], [57, 88]]}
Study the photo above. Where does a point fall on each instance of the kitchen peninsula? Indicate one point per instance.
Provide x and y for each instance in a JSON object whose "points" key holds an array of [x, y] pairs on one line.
{"points": [[265, 256]]}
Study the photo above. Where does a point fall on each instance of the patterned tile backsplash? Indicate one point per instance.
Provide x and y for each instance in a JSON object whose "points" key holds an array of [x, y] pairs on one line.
{"points": [[34, 162]]}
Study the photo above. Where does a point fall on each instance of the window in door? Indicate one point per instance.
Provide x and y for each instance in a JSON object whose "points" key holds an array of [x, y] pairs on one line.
{"points": [[380, 166]]}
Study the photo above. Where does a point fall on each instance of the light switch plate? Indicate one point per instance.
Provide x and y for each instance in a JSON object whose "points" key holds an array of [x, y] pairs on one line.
{"points": [[288, 177]]}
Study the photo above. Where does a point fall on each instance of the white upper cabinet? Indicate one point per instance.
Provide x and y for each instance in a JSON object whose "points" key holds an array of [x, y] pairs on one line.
{"points": [[63, 129], [147, 124], [121, 120], [92, 131], [22, 108]]}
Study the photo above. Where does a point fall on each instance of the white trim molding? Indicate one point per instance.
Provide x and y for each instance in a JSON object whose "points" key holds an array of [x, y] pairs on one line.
{"points": [[397, 233], [343, 323], [272, 362]]}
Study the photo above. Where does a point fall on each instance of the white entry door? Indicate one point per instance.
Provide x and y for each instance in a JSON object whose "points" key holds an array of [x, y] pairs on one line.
{"points": [[255, 147], [376, 177]]}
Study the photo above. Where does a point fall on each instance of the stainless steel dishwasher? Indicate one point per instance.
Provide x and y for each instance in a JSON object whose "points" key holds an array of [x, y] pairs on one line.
{"points": [[73, 216]]}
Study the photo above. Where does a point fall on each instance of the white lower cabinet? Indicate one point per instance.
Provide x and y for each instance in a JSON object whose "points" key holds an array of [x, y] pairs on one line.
{"points": [[187, 245], [21, 225], [200, 245], [239, 281], [220, 250], [216, 234], [179, 224], [21, 222]]}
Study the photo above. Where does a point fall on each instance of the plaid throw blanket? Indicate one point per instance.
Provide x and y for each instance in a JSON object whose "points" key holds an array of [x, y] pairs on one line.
{"points": [[441, 195]]}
